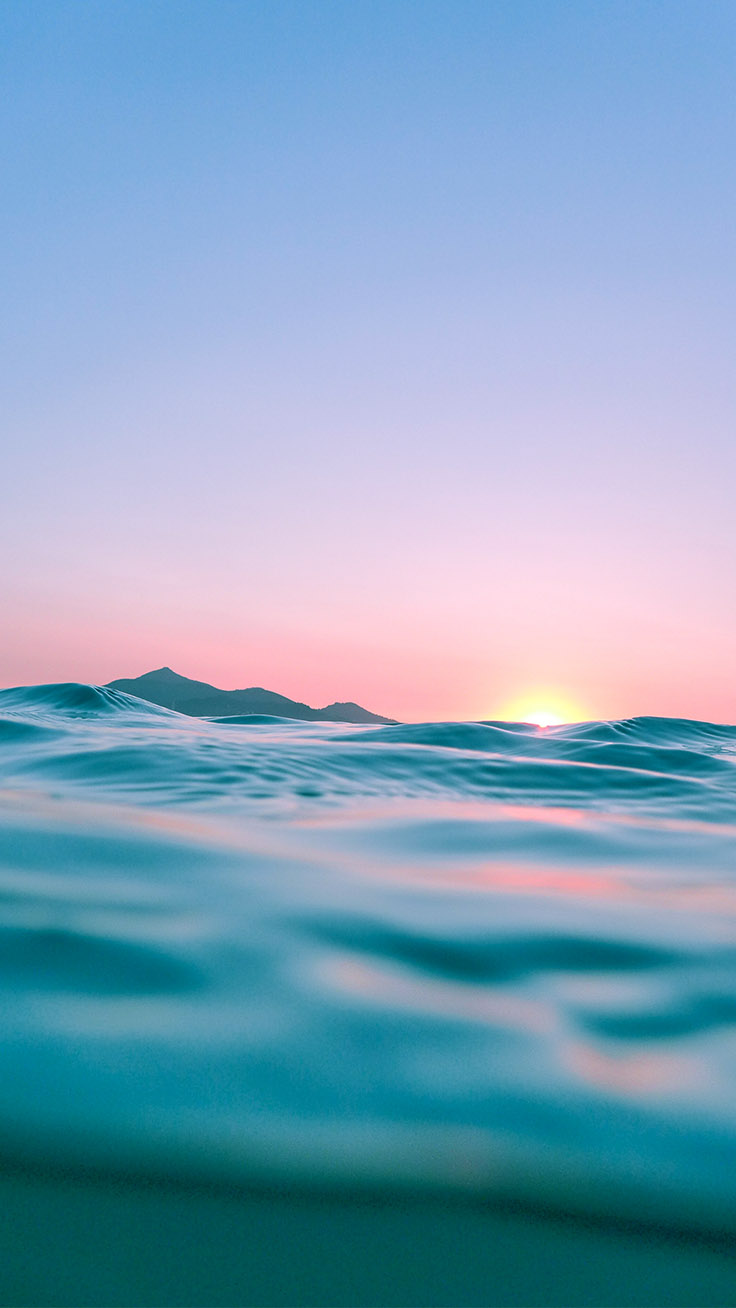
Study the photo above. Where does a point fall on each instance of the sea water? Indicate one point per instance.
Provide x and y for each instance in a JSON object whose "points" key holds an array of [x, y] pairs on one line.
{"points": [[418, 1013]]}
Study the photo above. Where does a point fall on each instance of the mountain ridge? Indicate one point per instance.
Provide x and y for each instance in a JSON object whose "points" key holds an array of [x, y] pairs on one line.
{"points": [[198, 699]]}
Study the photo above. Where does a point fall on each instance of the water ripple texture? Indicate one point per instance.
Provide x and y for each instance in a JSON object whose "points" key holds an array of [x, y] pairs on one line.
{"points": [[479, 957]]}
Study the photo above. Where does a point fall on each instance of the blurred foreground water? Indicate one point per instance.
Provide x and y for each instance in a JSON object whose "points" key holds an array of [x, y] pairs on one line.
{"points": [[438, 1013]]}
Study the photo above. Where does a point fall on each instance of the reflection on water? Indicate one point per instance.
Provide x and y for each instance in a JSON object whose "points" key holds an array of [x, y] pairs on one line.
{"points": [[639, 1073], [450, 956]]}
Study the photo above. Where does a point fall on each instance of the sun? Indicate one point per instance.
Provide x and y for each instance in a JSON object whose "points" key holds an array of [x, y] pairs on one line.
{"points": [[544, 718], [542, 708]]}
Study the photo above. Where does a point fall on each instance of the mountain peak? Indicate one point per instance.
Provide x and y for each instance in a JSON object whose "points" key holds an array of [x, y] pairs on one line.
{"points": [[198, 699]]}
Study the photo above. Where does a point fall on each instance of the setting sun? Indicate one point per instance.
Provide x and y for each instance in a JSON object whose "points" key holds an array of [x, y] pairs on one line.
{"points": [[543, 718], [542, 708]]}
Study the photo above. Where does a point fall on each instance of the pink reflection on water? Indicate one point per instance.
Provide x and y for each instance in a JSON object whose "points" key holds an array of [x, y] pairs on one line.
{"points": [[486, 811], [519, 879], [391, 986], [641, 1072], [614, 885]]}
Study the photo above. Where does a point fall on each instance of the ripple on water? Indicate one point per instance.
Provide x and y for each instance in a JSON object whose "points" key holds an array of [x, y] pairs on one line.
{"points": [[253, 938]]}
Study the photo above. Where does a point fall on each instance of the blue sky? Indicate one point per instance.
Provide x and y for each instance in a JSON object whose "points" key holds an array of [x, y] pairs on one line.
{"points": [[375, 351]]}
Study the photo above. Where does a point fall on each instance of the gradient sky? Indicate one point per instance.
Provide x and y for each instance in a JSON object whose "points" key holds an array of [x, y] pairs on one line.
{"points": [[372, 350]]}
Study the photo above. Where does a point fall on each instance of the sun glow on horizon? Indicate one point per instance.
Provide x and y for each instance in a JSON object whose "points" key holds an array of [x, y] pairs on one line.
{"points": [[543, 718], [542, 708]]}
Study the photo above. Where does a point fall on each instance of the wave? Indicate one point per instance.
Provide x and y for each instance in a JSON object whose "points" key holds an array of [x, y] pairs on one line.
{"points": [[256, 720], [73, 699], [648, 731], [456, 956], [155, 755]]}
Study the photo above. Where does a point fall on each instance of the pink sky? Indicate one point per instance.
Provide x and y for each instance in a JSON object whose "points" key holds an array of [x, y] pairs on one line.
{"points": [[387, 360]]}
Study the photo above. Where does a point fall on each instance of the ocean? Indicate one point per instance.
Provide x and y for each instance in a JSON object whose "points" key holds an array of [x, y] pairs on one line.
{"points": [[314, 1013]]}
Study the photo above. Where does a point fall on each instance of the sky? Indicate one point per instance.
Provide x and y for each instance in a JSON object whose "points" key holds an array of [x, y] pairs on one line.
{"points": [[378, 350]]}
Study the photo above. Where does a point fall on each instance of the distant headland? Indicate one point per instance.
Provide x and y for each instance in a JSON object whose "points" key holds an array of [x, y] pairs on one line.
{"points": [[200, 700]]}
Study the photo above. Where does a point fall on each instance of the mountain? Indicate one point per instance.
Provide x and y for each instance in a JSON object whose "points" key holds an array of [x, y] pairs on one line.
{"points": [[201, 700]]}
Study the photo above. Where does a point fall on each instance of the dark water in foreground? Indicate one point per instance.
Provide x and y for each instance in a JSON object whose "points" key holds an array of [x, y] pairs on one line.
{"points": [[474, 964]]}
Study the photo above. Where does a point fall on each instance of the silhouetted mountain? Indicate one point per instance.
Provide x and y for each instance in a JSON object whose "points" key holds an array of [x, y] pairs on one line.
{"points": [[201, 700]]}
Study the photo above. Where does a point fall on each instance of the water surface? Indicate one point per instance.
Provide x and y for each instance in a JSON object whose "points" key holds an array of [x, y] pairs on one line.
{"points": [[476, 962]]}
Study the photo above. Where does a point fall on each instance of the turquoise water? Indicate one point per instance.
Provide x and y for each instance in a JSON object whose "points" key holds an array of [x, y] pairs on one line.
{"points": [[474, 962]]}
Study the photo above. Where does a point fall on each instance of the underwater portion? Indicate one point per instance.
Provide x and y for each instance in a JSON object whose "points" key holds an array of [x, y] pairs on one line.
{"points": [[483, 963]]}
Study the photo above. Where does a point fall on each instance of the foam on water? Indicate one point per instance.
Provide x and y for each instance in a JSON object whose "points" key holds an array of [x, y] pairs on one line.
{"points": [[459, 958]]}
